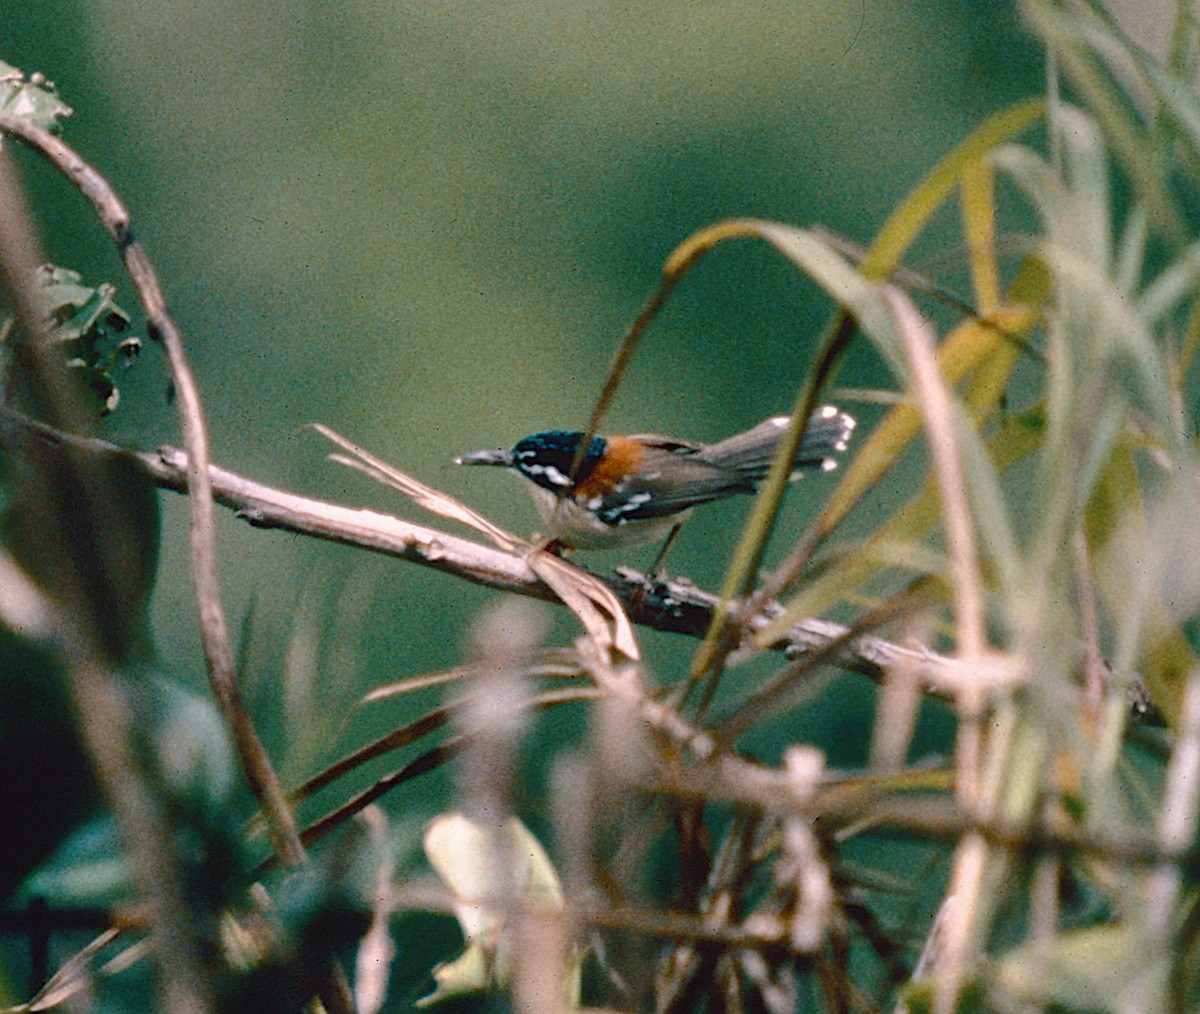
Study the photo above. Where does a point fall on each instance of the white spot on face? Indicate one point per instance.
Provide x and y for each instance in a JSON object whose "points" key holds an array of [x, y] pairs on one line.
{"points": [[549, 471], [594, 503], [828, 465], [827, 411]]}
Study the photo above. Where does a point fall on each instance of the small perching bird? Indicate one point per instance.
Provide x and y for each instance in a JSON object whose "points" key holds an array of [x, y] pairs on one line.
{"points": [[636, 488]]}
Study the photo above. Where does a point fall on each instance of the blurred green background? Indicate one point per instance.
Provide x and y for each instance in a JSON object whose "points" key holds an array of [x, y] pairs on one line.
{"points": [[427, 225]]}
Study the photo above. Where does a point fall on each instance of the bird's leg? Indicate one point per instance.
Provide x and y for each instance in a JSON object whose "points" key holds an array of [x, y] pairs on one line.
{"points": [[548, 544], [656, 572], [655, 575]]}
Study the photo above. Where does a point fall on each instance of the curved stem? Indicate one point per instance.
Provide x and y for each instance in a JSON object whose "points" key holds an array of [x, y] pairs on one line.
{"points": [[260, 774]]}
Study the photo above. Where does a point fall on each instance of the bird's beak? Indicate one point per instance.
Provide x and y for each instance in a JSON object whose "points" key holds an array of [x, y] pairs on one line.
{"points": [[502, 458]]}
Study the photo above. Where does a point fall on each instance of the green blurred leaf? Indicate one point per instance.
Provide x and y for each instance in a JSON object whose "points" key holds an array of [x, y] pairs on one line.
{"points": [[122, 533], [1105, 968], [1081, 39], [1175, 283], [193, 752], [1177, 96], [325, 906], [316, 914], [1102, 356], [187, 753], [89, 868]]}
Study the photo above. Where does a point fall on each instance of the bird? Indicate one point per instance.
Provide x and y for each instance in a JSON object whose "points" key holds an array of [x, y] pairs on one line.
{"points": [[633, 489]]}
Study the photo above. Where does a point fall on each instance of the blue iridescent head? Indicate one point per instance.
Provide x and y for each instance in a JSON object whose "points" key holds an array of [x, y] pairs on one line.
{"points": [[546, 458]]}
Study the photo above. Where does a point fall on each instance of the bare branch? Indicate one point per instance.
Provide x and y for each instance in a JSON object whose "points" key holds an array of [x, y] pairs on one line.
{"points": [[676, 606]]}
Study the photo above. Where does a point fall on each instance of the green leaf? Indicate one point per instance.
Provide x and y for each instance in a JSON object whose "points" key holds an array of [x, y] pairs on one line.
{"points": [[34, 98], [89, 868], [117, 549], [189, 758], [92, 329]]}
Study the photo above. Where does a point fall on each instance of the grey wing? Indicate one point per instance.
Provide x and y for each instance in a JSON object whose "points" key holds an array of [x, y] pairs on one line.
{"points": [[669, 482]]}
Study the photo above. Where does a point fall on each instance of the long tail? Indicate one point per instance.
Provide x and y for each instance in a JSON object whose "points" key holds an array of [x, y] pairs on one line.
{"points": [[750, 453]]}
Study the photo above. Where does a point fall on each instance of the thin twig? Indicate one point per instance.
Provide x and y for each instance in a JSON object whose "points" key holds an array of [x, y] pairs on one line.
{"points": [[114, 216], [256, 765]]}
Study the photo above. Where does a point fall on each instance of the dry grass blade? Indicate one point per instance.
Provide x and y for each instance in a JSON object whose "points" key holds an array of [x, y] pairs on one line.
{"points": [[398, 739], [585, 595], [376, 950], [77, 974], [414, 684], [428, 497], [554, 663], [970, 626], [941, 427], [589, 599]]}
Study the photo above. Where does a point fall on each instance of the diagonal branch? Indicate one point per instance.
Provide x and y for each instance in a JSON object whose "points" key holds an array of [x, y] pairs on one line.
{"points": [[675, 606]]}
